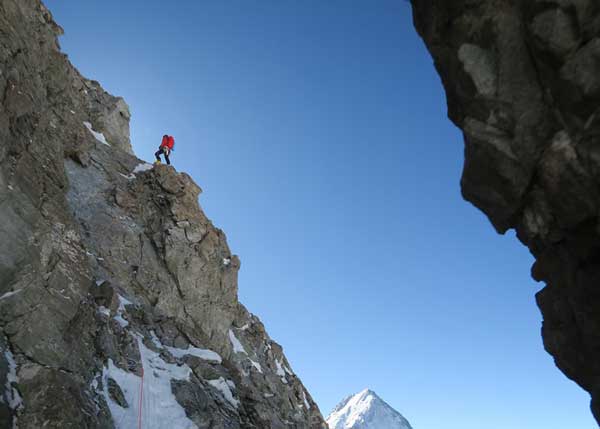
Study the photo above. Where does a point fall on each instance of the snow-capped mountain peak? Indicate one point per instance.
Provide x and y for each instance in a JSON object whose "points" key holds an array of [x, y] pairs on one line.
{"points": [[366, 410]]}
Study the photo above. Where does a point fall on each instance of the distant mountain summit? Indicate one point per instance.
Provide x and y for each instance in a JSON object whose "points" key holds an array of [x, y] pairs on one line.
{"points": [[366, 410]]}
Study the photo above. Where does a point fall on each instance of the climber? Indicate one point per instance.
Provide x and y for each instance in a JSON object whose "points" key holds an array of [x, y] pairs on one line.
{"points": [[166, 147]]}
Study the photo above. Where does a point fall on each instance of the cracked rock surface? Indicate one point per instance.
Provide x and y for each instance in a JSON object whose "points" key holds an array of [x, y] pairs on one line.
{"points": [[522, 80], [110, 273]]}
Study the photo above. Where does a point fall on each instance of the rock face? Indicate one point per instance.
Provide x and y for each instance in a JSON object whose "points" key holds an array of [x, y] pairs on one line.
{"points": [[366, 410], [118, 297], [522, 80]]}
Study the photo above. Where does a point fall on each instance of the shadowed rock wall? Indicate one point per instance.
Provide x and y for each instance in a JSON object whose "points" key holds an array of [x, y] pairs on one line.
{"points": [[522, 79]]}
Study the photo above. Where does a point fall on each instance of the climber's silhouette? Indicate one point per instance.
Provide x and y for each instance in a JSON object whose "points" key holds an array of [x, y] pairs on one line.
{"points": [[166, 147]]}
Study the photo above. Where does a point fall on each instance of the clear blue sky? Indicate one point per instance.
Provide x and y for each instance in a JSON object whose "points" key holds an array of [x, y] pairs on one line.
{"points": [[318, 132]]}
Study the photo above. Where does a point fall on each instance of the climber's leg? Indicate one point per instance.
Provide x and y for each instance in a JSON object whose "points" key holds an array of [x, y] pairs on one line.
{"points": [[157, 155]]}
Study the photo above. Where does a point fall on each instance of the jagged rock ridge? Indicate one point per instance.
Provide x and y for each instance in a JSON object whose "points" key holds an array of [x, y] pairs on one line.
{"points": [[522, 80], [366, 410], [110, 273]]}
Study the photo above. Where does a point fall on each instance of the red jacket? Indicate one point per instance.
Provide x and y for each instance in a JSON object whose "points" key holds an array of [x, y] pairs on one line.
{"points": [[168, 141]]}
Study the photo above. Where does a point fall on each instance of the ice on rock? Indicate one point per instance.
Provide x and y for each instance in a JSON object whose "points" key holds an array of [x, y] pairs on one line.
{"points": [[159, 407]]}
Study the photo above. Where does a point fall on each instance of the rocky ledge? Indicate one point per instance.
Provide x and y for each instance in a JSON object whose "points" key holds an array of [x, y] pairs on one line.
{"points": [[522, 80], [118, 297]]}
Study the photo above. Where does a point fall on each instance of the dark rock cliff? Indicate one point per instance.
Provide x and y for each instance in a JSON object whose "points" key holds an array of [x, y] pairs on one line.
{"points": [[110, 273], [522, 79]]}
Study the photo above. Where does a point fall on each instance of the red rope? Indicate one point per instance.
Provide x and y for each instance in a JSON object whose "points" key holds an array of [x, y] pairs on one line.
{"points": [[140, 404]]}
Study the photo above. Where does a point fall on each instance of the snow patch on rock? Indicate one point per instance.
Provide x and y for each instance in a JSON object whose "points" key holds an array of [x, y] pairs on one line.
{"points": [[205, 354], [99, 136], [280, 371], [9, 294], [140, 168], [235, 343], [306, 404], [225, 386], [119, 317], [239, 348], [11, 395]]}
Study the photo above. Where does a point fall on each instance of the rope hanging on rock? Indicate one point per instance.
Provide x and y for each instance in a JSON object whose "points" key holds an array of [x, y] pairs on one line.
{"points": [[140, 400]]}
